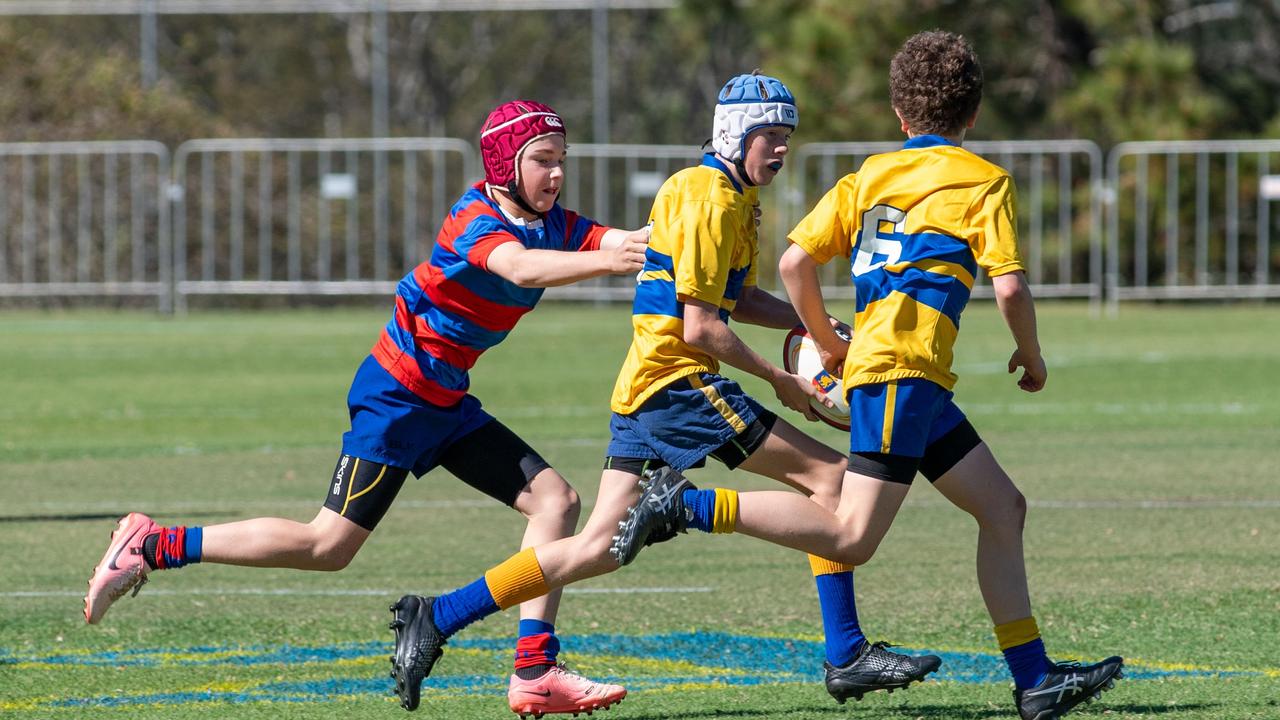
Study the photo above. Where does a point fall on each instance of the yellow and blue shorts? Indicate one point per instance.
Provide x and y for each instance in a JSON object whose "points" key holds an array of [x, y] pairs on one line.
{"points": [[903, 426], [690, 419]]}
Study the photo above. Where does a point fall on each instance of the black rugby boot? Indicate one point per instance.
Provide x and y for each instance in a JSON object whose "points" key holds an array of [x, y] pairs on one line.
{"points": [[418, 646], [1066, 686], [657, 516], [877, 668]]}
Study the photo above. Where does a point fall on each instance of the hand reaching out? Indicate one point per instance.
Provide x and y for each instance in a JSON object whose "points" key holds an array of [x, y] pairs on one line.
{"points": [[628, 256]]}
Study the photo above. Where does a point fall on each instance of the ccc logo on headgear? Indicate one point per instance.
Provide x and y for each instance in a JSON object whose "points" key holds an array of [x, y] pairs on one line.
{"points": [[554, 121]]}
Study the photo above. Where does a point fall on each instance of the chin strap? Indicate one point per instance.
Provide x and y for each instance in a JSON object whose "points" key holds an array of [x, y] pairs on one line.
{"points": [[742, 173], [519, 200]]}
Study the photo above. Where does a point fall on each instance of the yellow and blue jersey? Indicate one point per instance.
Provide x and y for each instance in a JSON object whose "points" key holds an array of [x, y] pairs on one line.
{"points": [[916, 224], [702, 246]]}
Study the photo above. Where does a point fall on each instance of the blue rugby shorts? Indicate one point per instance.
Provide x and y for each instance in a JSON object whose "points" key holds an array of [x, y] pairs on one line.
{"points": [[685, 421], [900, 417], [393, 426]]}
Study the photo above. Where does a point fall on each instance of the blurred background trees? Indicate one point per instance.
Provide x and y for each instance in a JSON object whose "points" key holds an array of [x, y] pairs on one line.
{"points": [[1098, 69]]}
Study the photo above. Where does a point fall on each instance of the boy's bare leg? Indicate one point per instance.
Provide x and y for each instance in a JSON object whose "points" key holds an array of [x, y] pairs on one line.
{"points": [[790, 456], [854, 666], [587, 554], [849, 532], [979, 486], [552, 507], [850, 535], [328, 542]]}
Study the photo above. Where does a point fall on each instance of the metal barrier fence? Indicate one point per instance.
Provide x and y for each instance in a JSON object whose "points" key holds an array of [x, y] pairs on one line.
{"points": [[84, 219], [1193, 219], [1186, 220], [1059, 185], [309, 217]]}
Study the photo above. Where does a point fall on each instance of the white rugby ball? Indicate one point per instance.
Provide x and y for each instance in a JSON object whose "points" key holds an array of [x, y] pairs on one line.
{"points": [[800, 357]]}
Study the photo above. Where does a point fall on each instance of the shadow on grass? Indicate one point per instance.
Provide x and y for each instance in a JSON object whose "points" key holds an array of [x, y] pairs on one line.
{"points": [[87, 516]]}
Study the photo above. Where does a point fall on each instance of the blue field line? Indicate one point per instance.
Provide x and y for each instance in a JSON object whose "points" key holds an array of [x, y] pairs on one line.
{"points": [[674, 659]]}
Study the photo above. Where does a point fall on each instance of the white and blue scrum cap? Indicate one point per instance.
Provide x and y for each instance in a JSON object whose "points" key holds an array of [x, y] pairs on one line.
{"points": [[745, 103]]}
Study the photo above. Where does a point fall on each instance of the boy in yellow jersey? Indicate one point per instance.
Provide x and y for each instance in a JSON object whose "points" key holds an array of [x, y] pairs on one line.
{"points": [[917, 224], [673, 409]]}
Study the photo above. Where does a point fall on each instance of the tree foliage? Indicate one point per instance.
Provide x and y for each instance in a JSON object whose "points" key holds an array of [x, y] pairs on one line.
{"points": [[1148, 69]]}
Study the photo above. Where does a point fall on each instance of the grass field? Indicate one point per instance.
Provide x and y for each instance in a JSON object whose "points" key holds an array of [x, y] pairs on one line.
{"points": [[1150, 464]]}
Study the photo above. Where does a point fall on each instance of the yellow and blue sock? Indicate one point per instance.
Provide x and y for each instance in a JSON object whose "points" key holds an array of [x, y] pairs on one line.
{"points": [[714, 510], [1023, 651], [174, 547], [515, 580], [840, 627], [536, 649]]}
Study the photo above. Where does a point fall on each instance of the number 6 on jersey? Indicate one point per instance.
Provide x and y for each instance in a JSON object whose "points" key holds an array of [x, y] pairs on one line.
{"points": [[870, 243]]}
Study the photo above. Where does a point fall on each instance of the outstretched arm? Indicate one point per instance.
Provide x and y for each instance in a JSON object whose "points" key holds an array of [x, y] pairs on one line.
{"points": [[614, 237], [704, 330], [621, 251], [1013, 297], [799, 272], [760, 307]]}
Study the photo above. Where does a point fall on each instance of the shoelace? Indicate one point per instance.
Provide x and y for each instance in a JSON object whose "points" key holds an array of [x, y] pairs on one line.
{"points": [[563, 666]]}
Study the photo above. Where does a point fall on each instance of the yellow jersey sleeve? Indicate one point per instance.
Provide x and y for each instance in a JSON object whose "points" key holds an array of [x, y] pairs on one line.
{"points": [[706, 249], [827, 231], [994, 228]]}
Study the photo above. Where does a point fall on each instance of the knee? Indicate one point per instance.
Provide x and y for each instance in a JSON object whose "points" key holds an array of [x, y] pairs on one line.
{"points": [[828, 487], [560, 500], [1007, 513], [332, 556], [855, 553], [1019, 510], [570, 504]]}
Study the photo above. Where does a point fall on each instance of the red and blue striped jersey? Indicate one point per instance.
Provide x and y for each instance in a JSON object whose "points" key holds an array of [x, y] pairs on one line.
{"points": [[451, 308]]}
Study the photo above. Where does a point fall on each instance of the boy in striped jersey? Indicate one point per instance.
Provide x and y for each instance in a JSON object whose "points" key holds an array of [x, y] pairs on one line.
{"points": [[503, 242]]}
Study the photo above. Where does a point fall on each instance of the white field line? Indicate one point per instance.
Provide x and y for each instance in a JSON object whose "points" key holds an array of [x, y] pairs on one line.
{"points": [[302, 592]]}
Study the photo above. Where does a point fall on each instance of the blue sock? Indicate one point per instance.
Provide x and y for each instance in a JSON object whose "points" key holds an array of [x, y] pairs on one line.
{"points": [[193, 544], [529, 628], [1028, 663], [703, 505], [844, 636], [459, 608]]}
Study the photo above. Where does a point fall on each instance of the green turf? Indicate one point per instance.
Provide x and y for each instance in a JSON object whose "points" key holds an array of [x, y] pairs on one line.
{"points": [[1149, 461]]}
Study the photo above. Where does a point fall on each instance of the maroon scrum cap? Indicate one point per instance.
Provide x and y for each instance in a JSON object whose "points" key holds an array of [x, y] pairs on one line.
{"points": [[505, 133]]}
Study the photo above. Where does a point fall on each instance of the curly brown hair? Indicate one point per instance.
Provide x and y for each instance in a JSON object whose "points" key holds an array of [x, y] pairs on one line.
{"points": [[935, 82]]}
